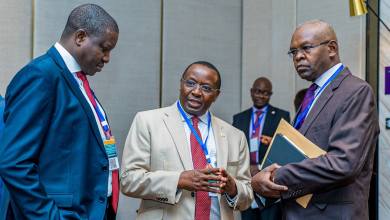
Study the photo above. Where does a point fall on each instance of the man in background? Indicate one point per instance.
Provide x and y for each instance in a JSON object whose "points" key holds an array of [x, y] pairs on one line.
{"points": [[184, 162], [338, 114], [57, 144], [259, 124]]}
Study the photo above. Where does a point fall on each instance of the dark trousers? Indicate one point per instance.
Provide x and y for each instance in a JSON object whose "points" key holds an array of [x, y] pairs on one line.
{"points": [[110, 214], [273, 212]]}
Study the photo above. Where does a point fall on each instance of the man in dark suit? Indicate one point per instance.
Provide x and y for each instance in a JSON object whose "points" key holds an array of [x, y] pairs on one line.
{"points": [[259, 124], [339, 115], [57, 144]]}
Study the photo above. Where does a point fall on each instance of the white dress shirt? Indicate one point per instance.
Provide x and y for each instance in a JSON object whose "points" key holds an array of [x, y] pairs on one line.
{"points": [[320, 82], [74, 67]]}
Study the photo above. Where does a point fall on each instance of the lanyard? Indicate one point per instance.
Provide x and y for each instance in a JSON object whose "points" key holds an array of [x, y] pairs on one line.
{"points": [[302, 115], [259, 121], [102, 120], [203, 145]]}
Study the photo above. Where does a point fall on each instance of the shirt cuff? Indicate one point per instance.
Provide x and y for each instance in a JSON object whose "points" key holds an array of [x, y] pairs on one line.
{"points": [[231, 201]]}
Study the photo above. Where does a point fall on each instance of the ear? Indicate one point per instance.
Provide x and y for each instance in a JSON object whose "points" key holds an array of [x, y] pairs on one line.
{"points": [[333, 48], [216, 95], [80, 36]]}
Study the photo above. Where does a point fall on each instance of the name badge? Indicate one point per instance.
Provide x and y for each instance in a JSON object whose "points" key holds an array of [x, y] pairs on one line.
{"points": [[254, 145], [110, 147]]}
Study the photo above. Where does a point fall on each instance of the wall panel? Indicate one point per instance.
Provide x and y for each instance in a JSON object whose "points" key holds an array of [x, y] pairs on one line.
{"points": [[384, 112], [16, 38]]}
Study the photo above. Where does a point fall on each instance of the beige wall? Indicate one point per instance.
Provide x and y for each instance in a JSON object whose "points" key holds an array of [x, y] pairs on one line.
{"points": [[245, 39]]}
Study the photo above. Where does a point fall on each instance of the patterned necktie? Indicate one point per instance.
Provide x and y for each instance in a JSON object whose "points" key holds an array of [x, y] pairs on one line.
{"points": [[255, 134], [202, 199], [309, 97], [115, 175]]}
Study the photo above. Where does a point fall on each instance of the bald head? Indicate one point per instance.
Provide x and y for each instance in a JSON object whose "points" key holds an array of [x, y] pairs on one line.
{"points": [[319, 29], [314, 49], [263, 80]]}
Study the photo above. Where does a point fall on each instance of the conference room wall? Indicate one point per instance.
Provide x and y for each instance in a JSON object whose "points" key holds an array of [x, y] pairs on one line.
{"points": [[245, 39], [15, 38]]}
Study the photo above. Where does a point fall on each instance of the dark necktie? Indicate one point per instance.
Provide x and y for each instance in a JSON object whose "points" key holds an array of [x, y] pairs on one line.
{"points": [[309, 97], [255, 134], [202, 199], [115, 175]]}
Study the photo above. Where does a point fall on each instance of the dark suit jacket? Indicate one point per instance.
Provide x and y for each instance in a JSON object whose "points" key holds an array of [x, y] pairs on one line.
{"points": [[55, 165], [242, 121], [343, 122]]}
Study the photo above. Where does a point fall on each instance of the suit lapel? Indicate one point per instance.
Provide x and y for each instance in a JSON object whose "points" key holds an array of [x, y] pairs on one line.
{"points": [[220, 142], [246, 122], [322, 100], [269, 120], [175, 126], [77, 92]]}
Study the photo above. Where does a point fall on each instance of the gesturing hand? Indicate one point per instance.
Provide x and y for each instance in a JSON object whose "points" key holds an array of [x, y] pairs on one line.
{"points": [[228, 184], [208, 179], [262, 183]]}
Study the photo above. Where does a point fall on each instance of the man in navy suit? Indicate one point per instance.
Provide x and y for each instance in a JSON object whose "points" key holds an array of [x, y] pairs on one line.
{"points": [[55, 154], [259, 124]]}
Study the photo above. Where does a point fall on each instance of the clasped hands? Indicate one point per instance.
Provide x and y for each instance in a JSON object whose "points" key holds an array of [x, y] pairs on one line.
{"points": [[216, 180], [263, 182]]}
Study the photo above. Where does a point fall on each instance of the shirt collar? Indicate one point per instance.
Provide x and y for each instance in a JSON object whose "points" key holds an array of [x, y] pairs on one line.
{"points": [[69, 60], [320, 81], [203, 118], [254, 109]]}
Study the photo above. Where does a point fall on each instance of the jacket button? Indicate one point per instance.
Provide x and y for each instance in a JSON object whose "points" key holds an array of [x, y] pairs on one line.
{"points": [[192, 194], [104, 167], [102, 199]]}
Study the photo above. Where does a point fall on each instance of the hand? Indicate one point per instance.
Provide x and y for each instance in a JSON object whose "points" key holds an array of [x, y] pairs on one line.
{"points": [[254, 170], [262, 183], [207, 179], [229, 185], [265, 139]]}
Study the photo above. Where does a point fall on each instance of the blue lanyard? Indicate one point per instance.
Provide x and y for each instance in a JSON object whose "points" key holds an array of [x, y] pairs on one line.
{"points": [[259, 121], [302, 115], [203, 145], [102, 119]]}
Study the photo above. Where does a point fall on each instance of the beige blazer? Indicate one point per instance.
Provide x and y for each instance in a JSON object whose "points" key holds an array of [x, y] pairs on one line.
{"points": [[156, 152]]}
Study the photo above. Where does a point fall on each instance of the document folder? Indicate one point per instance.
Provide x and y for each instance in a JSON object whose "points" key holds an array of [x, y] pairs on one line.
{"points": [[283, 151], [289, 146]]}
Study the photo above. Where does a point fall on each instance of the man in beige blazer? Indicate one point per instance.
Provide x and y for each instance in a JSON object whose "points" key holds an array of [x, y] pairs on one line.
{"points": [[160, 162]]}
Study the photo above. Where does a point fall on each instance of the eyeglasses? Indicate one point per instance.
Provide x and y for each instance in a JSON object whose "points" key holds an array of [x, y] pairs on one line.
{"points": [[191, 84], [261, 92], [305, 48]]}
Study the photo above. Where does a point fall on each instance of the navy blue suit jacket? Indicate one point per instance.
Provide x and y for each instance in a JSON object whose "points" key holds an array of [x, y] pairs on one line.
{"points": [[242, 121], [53, 160]]}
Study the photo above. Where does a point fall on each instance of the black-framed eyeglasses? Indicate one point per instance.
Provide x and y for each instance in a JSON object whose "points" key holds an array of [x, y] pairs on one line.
{"points": [[261, 92], [191, 84], [305, 48]]}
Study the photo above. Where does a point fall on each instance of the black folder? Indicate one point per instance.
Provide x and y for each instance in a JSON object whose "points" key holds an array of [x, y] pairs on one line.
{"points": [[283, 151]]}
